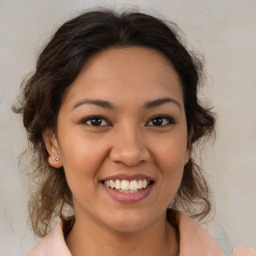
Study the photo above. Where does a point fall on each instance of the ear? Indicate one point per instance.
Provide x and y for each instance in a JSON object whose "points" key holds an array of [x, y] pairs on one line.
{"points": [[189, 148], [188, 154], [52, 147]]}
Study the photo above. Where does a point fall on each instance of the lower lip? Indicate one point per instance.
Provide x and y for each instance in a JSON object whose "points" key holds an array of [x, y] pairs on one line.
{"points": [[128, 197]]}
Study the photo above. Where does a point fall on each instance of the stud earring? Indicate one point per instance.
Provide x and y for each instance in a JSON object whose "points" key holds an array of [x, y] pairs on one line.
{"points": [[57, 159], [171, 204]]}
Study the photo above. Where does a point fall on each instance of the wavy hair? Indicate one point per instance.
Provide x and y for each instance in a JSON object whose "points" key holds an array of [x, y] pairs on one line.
{"points": [[57, 67]]}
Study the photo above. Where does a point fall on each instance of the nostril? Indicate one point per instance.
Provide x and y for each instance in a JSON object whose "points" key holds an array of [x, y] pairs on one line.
{"points": [[129, 154]]}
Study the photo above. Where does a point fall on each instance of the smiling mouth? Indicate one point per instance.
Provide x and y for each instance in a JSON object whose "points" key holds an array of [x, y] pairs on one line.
{"points": [[128, 186]]}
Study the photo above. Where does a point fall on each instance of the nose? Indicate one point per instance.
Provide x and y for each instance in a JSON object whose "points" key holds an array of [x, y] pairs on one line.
{"points": [[129, 148]]}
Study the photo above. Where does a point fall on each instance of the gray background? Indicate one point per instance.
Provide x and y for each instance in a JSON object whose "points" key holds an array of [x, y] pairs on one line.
{"points": [[223, 30]]}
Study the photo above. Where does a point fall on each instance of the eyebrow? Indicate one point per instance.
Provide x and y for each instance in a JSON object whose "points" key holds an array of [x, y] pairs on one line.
{"points": [[158, 102], [109, 105], [100, 103]]}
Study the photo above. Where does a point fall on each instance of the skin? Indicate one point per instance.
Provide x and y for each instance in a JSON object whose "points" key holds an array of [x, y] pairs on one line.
{"points": [[126, 142]]}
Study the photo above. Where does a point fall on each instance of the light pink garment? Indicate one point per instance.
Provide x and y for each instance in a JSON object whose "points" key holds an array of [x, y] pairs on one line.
{"points": [[52, 245], [244, 250], [194, 240]]}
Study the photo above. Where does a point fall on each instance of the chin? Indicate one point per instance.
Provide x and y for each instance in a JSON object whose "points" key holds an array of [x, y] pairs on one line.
{"points": [[131, 221]]}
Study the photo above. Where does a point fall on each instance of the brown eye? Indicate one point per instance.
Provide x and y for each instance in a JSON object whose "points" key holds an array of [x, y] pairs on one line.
{"points": [[160, 121], [95, 121]]}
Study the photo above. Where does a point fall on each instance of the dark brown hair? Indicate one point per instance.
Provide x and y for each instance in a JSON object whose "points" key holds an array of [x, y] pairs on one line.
{"points": [[57, 67]]}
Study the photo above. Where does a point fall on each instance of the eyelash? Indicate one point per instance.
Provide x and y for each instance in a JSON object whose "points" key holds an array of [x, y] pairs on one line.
{"points": [[168, 121], [91, 118]]}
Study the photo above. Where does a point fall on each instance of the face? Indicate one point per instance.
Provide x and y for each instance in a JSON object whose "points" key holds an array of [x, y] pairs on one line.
{"points": [[122, 138]]}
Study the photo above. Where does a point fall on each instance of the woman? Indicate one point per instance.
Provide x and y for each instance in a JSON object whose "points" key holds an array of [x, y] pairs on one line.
{"points": [[112, 116]]}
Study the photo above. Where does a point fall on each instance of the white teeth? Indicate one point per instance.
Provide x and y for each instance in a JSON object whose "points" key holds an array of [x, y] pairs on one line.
{"points": [[133, 185], [144, 184], [112, 184], [139, 184], [126, 186], [117, 184]]}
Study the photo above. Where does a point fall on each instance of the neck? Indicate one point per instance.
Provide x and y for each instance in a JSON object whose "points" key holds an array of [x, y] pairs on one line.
{"points": [[86, 238]]}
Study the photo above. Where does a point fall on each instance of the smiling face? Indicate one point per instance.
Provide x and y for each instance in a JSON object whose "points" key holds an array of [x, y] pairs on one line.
{"points": [[122, 138]]}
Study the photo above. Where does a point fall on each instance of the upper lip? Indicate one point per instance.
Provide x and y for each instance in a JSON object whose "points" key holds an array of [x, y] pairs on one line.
{"points": [[123, 176]]}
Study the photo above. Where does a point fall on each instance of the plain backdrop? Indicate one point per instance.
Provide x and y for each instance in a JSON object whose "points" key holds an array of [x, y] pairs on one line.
{"points": [[222, 30]]}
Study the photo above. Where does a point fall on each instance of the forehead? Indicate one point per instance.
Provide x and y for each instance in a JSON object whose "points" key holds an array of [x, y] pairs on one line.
{"points": [[126, 73]]}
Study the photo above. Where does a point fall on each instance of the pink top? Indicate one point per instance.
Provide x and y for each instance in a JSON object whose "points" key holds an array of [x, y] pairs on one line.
{"points": [[194, 240]]}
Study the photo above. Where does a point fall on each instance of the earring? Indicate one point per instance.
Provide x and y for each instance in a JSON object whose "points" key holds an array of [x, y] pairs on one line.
{"points": [[171, 204], [57, 159]]}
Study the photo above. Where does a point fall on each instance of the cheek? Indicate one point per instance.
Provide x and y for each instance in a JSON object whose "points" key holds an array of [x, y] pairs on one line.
{"points": [[172, 167], [173, 152], [81, 160], [77, 149], [171, 158]]}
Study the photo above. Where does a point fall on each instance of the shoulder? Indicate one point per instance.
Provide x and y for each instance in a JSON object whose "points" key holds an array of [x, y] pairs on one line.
{"points": [[194, 239], [207, 240], [52, 245], [244, 250], [220, 236]]}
